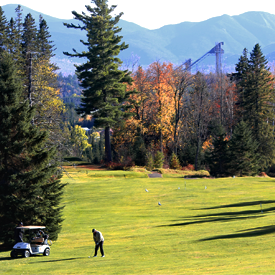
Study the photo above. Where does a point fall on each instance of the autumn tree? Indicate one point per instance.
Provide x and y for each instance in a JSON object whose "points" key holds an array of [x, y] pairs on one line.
{"points": [[103, 83], [161, 102], [181, 82], [79, 140], [199, 114], [131, 136], [223, 97], [44, 89]]}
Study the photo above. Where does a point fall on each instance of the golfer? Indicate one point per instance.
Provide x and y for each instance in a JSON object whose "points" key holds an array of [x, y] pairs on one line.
{"points": [[18, 233], [99, 240]]}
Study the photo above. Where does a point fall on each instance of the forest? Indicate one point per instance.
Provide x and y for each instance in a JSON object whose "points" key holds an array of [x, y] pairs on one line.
{"points": [[200, 120]]}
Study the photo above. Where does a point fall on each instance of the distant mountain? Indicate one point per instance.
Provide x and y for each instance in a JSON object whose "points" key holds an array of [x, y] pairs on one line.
{"points": [[175, 43]]}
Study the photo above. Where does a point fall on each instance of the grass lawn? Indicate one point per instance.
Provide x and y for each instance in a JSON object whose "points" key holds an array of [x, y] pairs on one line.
{"points": [[203, 226]]}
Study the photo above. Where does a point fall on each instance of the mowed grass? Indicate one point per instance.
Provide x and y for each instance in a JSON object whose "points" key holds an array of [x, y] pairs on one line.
{"points": [[203, 226]]}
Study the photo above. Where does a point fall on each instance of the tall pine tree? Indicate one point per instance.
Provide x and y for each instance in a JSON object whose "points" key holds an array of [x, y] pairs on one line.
{"points": [[30, 188], [255, 85], [244, 159], [3, 30], [217, 157], [15, 34], [104, 84]]}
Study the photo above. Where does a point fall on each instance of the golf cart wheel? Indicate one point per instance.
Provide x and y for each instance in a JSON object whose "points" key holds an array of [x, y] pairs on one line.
{"points": [[26, 253], [46, 252], [13, 254]]}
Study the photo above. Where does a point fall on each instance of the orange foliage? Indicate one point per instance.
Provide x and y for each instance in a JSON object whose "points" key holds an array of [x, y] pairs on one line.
{"points": [[153, 105]]}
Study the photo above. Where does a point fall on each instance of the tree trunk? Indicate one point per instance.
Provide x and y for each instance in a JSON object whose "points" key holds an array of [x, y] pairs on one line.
{"points": [[197, 153], [108, 153]]}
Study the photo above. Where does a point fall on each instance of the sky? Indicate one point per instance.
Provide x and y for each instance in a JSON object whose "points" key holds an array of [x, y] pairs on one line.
{"points": [[153, 14]]}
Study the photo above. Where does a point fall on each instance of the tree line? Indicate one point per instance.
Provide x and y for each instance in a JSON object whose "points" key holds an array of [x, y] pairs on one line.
{"points": [[220, 122], [163, 109]]}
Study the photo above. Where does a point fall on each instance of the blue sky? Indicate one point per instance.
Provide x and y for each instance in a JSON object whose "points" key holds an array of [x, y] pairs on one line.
{"points": [[153, 14]]}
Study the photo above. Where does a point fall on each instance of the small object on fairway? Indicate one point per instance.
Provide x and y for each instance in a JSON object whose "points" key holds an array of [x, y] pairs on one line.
{"points": [[159, 203], [178, 187], [205, 187], [146, 190], [89, 257], [233, 177]]}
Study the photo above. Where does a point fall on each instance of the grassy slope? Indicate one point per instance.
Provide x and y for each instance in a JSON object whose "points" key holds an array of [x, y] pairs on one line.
{"points": [[214, 230]]}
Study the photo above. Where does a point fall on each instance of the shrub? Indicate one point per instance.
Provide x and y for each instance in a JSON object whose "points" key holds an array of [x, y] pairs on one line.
{"points": [[150, 162], [124, 165], [174, 162], [189, 167], [159, 159]]}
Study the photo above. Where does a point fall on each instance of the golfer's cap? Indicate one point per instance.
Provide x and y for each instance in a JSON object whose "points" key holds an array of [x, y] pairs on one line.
{"points": [[93, 230]]}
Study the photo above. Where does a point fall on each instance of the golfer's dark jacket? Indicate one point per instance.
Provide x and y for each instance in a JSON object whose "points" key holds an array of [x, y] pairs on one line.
{"points": [[98, 237], [18, 235]]}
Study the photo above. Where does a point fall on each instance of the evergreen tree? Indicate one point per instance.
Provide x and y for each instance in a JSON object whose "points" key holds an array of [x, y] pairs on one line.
{"points": [[44, 87], [95, 142], [174, 162], [244, 159], [159, 159], [29, 37], [104, 84], [217, 158], [150, 162], [256, 92], [240, 77], [45, 46], [139, 151], [30, 188], [3, 30], [15, 34]]}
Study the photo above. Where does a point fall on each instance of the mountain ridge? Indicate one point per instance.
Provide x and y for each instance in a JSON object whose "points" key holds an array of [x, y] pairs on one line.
{"points": [[172, 43]]}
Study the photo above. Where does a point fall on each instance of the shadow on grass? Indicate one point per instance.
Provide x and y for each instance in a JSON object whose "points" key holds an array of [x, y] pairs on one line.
{"points": [[5, 248], [221, 219], [242, 204], [238, 213], [6, 259], [60, 260], [253, 232], [233, 216], [227, 216]]}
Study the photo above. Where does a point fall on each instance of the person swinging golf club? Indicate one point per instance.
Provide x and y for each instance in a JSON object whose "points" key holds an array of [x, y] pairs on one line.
{"points": [[99, 240]]}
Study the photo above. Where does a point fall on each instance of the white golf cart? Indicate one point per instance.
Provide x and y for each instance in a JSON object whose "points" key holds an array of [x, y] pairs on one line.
{"points": [[36, 245]]}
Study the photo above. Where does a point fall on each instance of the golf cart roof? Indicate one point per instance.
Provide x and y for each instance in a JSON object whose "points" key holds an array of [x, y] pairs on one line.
{"points": [[31, 227]]}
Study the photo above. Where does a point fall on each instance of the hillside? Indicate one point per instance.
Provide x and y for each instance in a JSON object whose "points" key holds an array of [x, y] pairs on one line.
{"points": [[174, 43]]}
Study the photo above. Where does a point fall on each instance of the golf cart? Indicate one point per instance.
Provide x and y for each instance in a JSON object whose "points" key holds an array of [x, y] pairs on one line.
{"points": [[38, 242]]}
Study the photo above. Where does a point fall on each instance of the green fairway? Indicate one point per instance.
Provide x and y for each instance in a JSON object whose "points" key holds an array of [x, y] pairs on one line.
{"points": [[203, 226]]}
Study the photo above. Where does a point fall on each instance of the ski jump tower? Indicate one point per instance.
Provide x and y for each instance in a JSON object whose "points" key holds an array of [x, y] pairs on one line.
{"points": [[217, 50]]}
